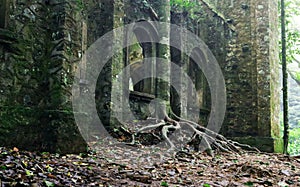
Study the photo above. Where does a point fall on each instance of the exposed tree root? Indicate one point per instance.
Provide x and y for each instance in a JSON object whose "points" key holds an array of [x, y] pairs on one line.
{"points": [[202, 138]]}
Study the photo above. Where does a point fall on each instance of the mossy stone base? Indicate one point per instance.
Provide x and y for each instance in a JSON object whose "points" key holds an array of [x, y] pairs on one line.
{"points": [[266, 144]]}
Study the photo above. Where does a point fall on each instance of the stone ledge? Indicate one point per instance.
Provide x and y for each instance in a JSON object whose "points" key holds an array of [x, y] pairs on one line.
{"points": [[266, 144], [141, 96]]}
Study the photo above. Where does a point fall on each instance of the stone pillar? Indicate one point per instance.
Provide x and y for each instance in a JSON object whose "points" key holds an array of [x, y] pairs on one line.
{"points": [[40, 91], [163, 66], [249, 67], [100, 21], [265, 38], [117, 93], [251, 74], [177, 96]]}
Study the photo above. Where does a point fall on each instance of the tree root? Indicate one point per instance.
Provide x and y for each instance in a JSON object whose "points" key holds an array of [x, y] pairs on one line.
{"points": [[202, 139]]}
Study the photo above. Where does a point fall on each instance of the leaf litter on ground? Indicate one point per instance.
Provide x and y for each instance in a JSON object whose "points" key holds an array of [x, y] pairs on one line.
{"points": [[24, 168]]}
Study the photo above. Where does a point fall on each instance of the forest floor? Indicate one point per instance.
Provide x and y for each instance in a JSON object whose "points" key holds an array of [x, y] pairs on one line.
{"points": [[23, 168]]}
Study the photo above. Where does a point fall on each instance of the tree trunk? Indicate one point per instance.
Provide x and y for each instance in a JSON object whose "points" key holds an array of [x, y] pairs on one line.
{"points": [[284, 81]]}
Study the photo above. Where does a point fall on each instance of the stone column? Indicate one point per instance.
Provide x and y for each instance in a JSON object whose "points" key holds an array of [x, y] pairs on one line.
{"points": [[251, 74], [118, 63], [163, 65], [265, 38], [250, 70], [177, 96]]}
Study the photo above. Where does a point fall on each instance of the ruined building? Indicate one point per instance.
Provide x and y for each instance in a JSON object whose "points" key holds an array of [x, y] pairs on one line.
{"points": [[42, 44]]}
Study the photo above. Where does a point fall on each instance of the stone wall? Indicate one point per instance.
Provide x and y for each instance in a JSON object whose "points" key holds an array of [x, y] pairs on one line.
{"points": [[251, 72], [243, 37], [242, 34], [41, 46]]}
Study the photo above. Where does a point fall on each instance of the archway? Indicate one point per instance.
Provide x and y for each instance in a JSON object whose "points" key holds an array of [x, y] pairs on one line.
{"points": [[140, 54], [201, 108]]}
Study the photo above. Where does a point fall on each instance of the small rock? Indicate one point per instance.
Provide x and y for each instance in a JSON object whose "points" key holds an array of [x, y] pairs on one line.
{"points": [[172, 173], [285, 172]]}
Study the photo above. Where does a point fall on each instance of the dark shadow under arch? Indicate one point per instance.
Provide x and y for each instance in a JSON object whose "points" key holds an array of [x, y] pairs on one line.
{"points": [[147, 37], [199, 80]]}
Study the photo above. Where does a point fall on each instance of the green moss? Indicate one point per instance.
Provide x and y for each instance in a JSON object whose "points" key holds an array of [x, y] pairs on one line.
{"points": [[278, 145]]}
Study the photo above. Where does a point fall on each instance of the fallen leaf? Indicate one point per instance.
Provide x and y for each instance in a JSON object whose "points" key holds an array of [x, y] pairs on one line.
{"points": [[164, 183], [51, 176], [178, 169], [249, 183], [285, 172], [49, 184], [172, 173], [105, 179], [283, 184], [28, 172]]}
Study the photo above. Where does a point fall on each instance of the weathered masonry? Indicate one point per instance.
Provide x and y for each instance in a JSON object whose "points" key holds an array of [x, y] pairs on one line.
{"points": [[38, 62]]}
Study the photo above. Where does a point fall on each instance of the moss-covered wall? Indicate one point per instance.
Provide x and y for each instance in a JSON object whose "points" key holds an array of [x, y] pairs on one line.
{"points": [[243, 37], [39, 56], [40, 44], [249, 44]]}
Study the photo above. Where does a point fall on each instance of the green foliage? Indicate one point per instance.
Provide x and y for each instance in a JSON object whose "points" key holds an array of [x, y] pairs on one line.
{"points": [[188, 7], [80, 5], [164, 183], [292, 33], [297, 76], [28, 173], [249, 183], [183, 4], [294, 141], [292, 50]]}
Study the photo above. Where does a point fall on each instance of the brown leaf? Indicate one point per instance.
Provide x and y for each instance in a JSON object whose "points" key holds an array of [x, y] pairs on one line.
{"points": [[178, 169], [105, 179], [140, 178], [51, 176]]}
